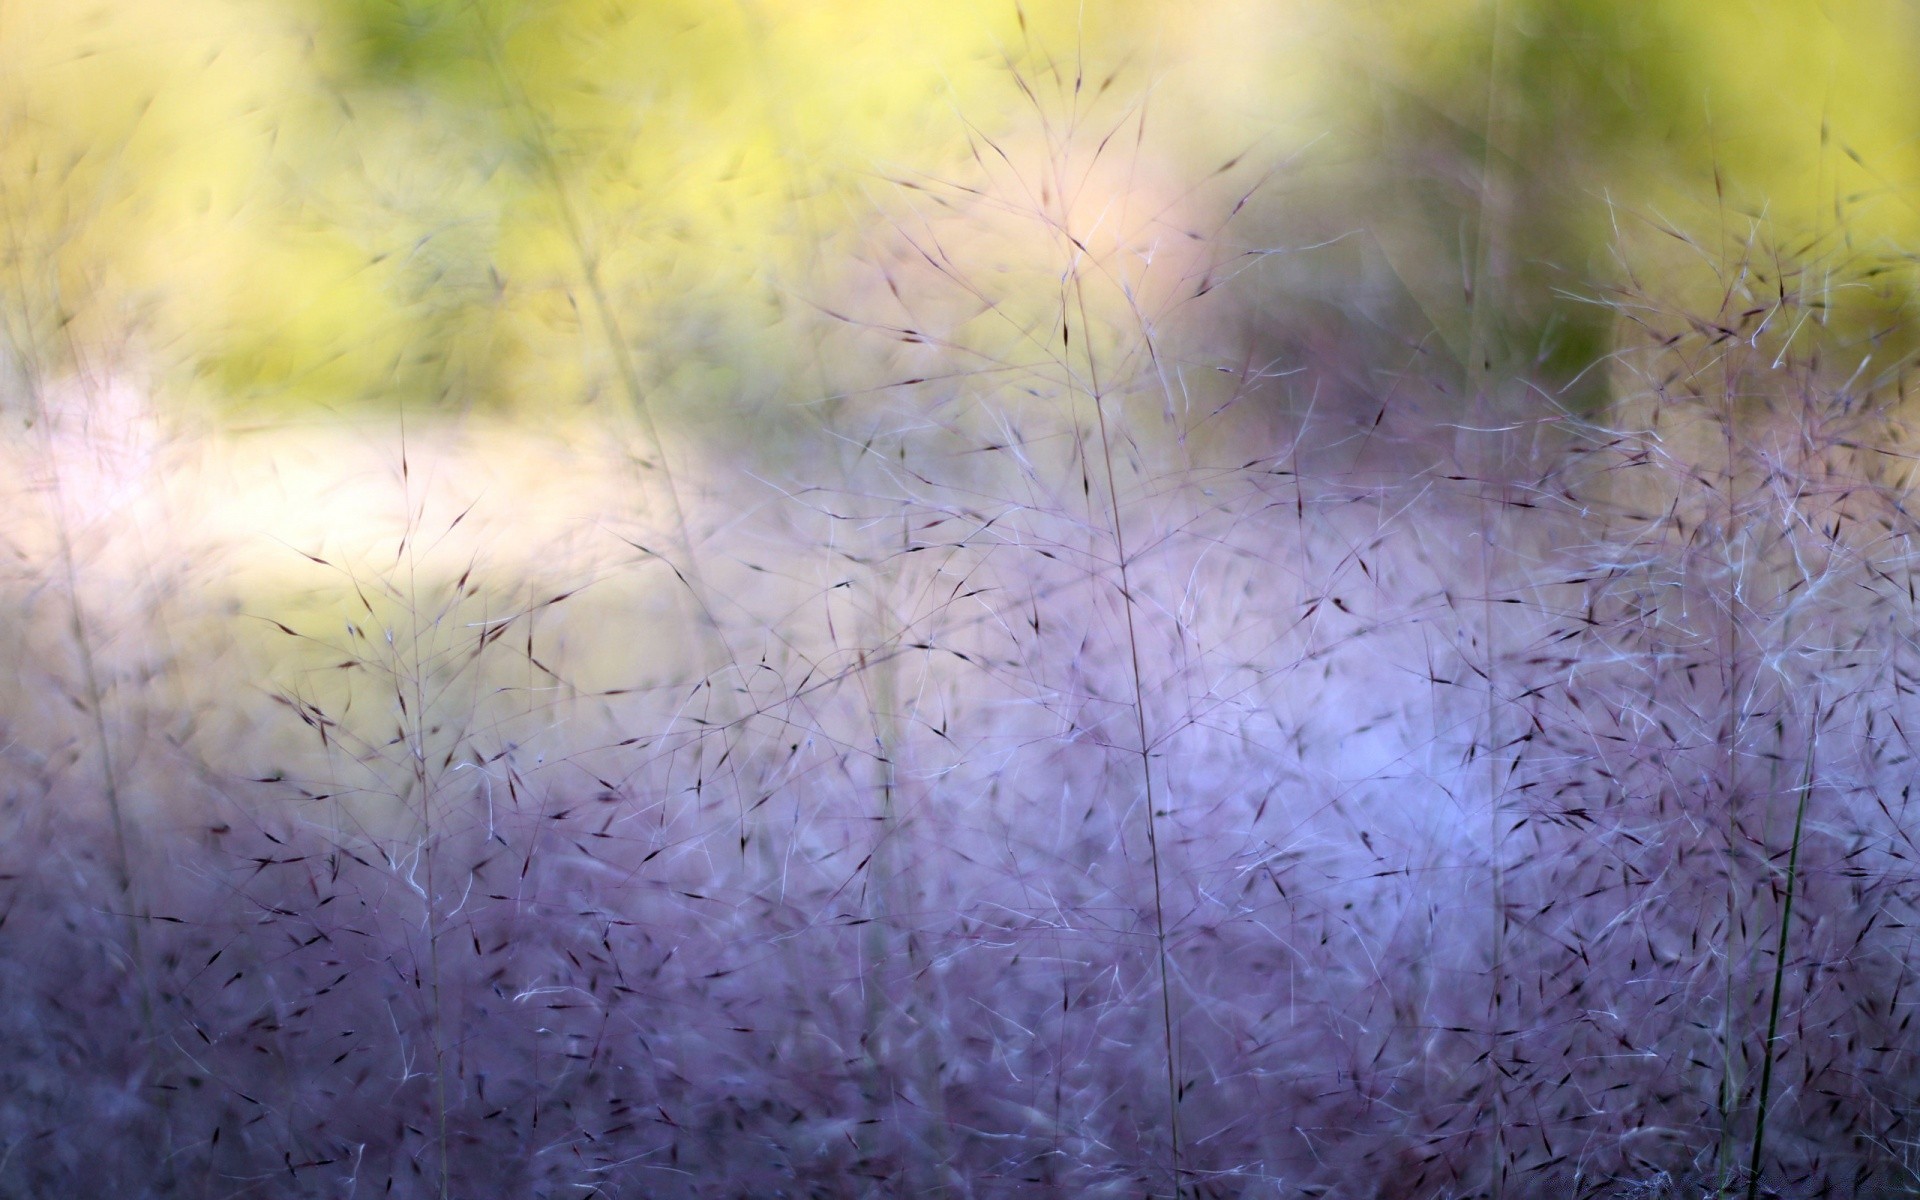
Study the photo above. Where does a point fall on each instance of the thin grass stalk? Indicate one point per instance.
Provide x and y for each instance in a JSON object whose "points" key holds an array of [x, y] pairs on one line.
{"points": [[1495, 838], [1727, 1100], [1491, 510], [639, 398], [884, 891], [1732, 734], [80, 625], [77, 627], [1140, 727], [26, 346], [425, 783], [1768, 1056], [111, 783], [877, 894]]}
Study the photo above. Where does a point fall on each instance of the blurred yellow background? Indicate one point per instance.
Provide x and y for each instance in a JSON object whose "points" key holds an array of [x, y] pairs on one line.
{"points": [[282, 207]]}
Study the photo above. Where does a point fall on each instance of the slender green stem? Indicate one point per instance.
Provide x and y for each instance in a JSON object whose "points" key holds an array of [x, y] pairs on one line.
{"points": [[1780, 959]]}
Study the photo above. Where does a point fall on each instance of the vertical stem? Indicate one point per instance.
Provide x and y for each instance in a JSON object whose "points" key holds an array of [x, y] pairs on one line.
{"points": [[1146, 745], [1780, 956], [574, 228], [1732, 732], [875, 947], [1478, 369], [79, 627], [425, 783]]}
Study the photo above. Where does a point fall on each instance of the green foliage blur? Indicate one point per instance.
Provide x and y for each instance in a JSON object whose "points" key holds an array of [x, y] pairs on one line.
{"points": [[288, 207]]}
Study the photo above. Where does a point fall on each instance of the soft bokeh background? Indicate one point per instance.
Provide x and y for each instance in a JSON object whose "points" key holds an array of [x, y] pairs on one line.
{"points": [[279, 210], [879, 580]]}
